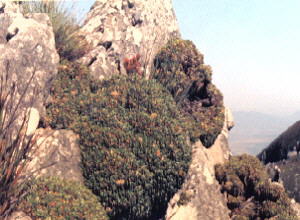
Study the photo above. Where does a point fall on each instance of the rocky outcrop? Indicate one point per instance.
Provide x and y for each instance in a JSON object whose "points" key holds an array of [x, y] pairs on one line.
{"points": [[56, 153], [279, 148], [116, 29], [200, 196], [28, 58]]}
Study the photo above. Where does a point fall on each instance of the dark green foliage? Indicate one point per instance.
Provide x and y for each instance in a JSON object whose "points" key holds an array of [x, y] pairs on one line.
{"points": [[279, 208], [234, 202], [250, 194], [139, 143], [180, 68], [61, 199], [178, 65], [243, 169], [269, 191], [207, 122], [134, 148], [68, 91]]}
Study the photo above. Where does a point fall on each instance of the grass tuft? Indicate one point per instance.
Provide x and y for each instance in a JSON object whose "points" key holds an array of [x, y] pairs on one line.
{"points": [[70, 46]]}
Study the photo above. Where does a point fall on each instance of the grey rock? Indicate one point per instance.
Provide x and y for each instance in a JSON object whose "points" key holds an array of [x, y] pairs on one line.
{"points": [[56, 153], [118, 28], [27, 56], [200, 197]]}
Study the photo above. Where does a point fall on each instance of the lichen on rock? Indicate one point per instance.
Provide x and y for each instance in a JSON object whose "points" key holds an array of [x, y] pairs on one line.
{"points": [[28, 56], [117, 28]]}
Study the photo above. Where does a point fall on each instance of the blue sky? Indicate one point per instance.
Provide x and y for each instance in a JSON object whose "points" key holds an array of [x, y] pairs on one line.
{"points": [[253, 47]]}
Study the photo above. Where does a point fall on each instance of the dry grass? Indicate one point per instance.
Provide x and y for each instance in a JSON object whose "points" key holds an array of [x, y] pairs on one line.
{"points": [[14, 144], [69, 44]]}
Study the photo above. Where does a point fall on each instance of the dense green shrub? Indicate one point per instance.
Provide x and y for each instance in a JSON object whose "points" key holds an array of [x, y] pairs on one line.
{"points": [[68, 93], [269, 191], [180, 68], [61, 199], [134, 148], [69, 45], [250, 193]]}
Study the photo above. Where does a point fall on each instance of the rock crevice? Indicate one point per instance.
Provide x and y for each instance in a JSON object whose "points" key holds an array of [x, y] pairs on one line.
{"points": [[200, 196]]}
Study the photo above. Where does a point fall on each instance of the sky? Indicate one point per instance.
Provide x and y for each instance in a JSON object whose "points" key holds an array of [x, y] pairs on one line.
{"points": [[252, 46]]}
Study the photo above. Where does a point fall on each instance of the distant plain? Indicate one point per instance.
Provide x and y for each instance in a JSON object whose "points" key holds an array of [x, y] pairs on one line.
{"points": [[254, 131]]}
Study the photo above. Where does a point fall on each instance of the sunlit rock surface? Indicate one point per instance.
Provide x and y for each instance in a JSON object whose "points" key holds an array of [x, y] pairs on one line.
{"points": [[119, 28], [200, 196]]}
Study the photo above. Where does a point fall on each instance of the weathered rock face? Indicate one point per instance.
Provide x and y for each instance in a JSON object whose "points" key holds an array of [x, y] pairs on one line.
{"points": [[119, 28], [56, 154], [27, 47], [200, 196]]}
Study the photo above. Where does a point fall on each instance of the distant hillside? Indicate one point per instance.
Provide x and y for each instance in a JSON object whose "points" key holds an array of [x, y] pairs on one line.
{"points": [[279, 148], [254, 131]]}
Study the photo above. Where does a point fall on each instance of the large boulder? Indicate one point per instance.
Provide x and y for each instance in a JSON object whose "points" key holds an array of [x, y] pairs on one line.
{"points": [[200, 196], [117, 29], [28, 59]]}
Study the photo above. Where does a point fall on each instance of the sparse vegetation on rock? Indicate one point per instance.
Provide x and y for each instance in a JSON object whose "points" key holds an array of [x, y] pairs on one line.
{"points": [[250, 193], [69, 45], [134, 147], [180, 68], [55, 198]]}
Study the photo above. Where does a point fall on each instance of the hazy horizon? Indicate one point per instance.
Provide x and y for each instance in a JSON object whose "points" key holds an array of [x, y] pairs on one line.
{"points": [[252, 47]]}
